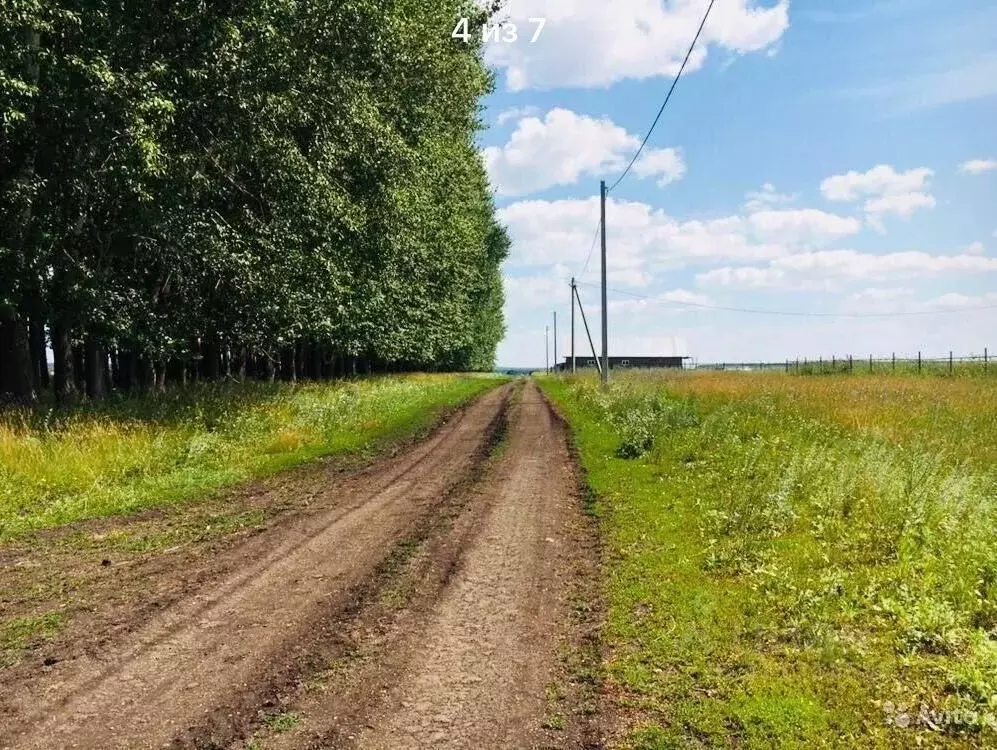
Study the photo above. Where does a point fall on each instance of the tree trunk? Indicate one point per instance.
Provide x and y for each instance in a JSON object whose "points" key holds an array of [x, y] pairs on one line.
{"points": [[64, 375], [209, 363], [15, 362], [94, 370], [39, 360], [105, 362], [287, 365], [299, 361], [79, 368], [114, 380]]}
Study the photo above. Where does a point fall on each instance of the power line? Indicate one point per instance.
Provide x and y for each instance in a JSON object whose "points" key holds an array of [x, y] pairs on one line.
{"points": [[759, 311], [667, 97], [591, 247]]}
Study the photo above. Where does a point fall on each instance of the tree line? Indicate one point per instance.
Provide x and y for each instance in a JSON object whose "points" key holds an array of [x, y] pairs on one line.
{"points": [[257, 188]]}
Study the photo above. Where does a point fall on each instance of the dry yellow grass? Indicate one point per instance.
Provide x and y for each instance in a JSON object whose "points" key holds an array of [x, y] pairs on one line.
{"points": [[955, 415]]}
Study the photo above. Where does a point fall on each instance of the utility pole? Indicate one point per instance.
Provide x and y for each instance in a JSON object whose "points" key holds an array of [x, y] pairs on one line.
{"points": [[555, 341], [573, 327], [605, 329], [547, 349]]}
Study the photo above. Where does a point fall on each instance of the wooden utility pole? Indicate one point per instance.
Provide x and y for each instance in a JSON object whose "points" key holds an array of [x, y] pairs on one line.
{"points": [[605, 329]]}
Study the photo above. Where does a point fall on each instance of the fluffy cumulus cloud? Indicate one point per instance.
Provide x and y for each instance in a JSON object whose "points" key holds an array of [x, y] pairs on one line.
{"points": [[806, 226], [886, 192], [648, 240], [589, 43], [765, 198], [515, 113], [563, 147], [975, 248], [978, 166]]}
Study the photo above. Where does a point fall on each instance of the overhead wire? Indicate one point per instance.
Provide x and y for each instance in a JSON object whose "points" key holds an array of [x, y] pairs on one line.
{"points": [[668, 96], [591, 248]]}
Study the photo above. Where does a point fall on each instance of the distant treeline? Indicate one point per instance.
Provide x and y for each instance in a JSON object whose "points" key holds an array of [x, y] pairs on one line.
{"points": [[270, 189]]}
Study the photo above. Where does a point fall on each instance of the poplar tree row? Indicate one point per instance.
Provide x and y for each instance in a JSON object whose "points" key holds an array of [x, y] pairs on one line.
{"points": [[268, 188]]}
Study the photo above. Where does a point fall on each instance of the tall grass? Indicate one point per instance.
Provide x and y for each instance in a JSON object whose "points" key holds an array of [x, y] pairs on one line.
{"points": [[57, 467], [794, 561]]}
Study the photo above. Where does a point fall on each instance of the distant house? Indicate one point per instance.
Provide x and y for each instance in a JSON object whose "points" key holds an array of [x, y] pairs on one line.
{"points": [[616, 363]]}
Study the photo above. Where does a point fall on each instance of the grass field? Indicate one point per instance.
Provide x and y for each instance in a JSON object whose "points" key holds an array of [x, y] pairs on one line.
{"points": [[793, 561], [119, 457]]}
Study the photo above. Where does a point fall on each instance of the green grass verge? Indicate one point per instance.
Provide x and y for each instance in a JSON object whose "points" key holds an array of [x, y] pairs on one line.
{"points": [[21, 632], [119, 457], [779, 580]]}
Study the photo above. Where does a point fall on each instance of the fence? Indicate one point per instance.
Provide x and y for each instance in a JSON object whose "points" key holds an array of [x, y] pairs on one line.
{"points": [[946, 365]]}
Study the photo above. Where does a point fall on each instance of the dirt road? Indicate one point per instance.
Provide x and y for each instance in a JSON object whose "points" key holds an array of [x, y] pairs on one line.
{"points": [[429, 603]]}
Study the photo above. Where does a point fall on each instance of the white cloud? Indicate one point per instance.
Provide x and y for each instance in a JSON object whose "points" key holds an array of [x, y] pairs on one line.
{"points": [[978, 166], [824, 268], [901, 205], [628, 276], [646, 240], [767, 197], [887, 192], [664, 163], [564, 146], [975, 248], [879, 181], [538, 290], [877, 294], [877, 300], [957, 301], [592, 43], [806, 226], [853, 264], [515, 113]]}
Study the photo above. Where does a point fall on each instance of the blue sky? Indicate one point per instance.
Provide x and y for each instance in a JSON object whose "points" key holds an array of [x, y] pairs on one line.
{"points": [[837, 158]]}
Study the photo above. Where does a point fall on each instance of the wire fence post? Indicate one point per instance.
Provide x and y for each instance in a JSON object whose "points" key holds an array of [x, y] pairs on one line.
{"points": [[984, 360], [893, 359], [870, 363], [850, 363], [950, 363], [919, 363]]}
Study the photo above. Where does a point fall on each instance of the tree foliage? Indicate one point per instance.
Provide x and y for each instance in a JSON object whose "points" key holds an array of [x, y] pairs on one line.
{"points": [[268, 186]]}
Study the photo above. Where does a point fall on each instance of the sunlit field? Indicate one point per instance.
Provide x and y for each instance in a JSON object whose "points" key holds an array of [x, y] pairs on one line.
{"points": [[806, 561], [118, 457]]}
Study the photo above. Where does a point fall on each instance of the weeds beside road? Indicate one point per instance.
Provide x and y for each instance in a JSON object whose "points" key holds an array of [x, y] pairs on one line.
{"points": [[117, 458], [792, 561]]}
